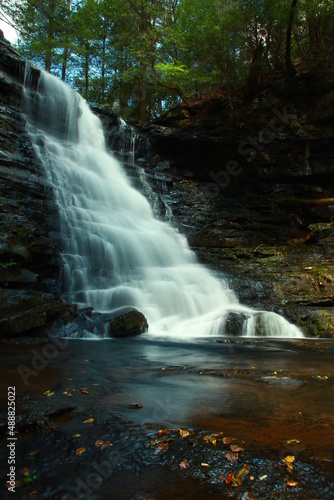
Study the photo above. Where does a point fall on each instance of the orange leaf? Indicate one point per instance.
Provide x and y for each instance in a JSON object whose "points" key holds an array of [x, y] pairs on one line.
{"points": [[292, 484], [229, 478], [79, 451], [227, 440], [33, 493], [163, 432], [161, 448], [98, 443], [235, 448], [184, 465], [184, 433]]}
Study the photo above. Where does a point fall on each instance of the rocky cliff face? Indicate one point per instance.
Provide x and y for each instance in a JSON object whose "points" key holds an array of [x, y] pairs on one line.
{"points": [[253, 190], [29, 260]]}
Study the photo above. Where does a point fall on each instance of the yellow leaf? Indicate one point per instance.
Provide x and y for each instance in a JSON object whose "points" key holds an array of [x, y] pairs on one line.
{"points": [[184, 433], [289, 459], [184, 367], [89, 421], [48, 393], [290, 441], [292, 484], [77, 435], [163, 369], [205, 465]]}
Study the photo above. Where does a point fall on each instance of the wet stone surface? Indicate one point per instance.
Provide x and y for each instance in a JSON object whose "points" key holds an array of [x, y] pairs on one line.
{"points": [[147, 418]]}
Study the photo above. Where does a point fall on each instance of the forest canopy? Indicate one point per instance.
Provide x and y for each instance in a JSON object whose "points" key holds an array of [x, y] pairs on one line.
{"points": [[142, 57]]}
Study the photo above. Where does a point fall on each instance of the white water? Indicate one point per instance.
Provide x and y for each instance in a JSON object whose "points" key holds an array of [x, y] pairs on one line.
{"points": [[115, 252]]}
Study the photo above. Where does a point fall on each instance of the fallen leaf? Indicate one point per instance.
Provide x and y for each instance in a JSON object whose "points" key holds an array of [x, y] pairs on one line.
{"points": [[292, 484], [33, 493], [84, 390], [48, 393], [68, 394], [210, 439], [163, 432], [33, 453], [76, 435], [89, 421], [236, 482], [227, 440], [229, 478], [95, 385], [291, 441], [235, 448], [184, 367], [216, 434], [163, 369], [184, 465], [232, 457], [184, 433], [161, 448], [289, 459], [99, 443], [79, 451], [135, 406], [244, 471], [87, 360], [205, 465], [261, 478]]}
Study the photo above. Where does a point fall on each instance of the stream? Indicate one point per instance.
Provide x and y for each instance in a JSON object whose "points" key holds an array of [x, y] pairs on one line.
{"points": [[272, 398]]}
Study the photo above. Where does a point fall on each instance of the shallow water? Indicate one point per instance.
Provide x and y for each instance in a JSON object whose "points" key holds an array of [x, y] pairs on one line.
{"points": [[260, 393]]}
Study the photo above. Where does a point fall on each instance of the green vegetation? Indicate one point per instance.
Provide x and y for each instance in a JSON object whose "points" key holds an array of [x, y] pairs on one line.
{"points": [[142, 57]]}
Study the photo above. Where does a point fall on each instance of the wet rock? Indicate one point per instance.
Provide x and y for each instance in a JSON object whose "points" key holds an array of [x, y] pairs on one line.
{"points": [[126, 322], [129, 324], [234, 323], [23, 311], [321, 230], [286, 381]]}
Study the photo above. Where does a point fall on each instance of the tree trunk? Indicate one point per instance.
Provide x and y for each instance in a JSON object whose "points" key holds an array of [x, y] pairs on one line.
{"points": [[87, 71], [103, 85], [288, 61], [50, 33], [66, 44]]}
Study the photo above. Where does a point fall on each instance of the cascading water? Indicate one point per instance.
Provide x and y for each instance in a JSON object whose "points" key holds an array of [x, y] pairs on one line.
{"points": [[115, 252]]}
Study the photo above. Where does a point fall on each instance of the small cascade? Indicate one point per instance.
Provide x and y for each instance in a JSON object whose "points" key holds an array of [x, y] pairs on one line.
{"points": [[115, 252]]}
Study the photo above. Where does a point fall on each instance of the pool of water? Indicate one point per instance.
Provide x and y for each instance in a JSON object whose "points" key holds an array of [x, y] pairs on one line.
{"points": [[259, 393]]}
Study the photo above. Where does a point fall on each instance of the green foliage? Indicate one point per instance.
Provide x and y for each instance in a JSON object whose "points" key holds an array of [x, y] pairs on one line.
{"points": [[143, 56], [6, 265]]}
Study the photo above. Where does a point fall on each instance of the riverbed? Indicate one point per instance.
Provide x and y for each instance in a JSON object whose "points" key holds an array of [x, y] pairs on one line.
{"points": [[89, 416]]}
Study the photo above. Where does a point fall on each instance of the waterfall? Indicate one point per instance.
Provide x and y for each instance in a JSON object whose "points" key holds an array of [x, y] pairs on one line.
{"points": [[115, 252]]}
